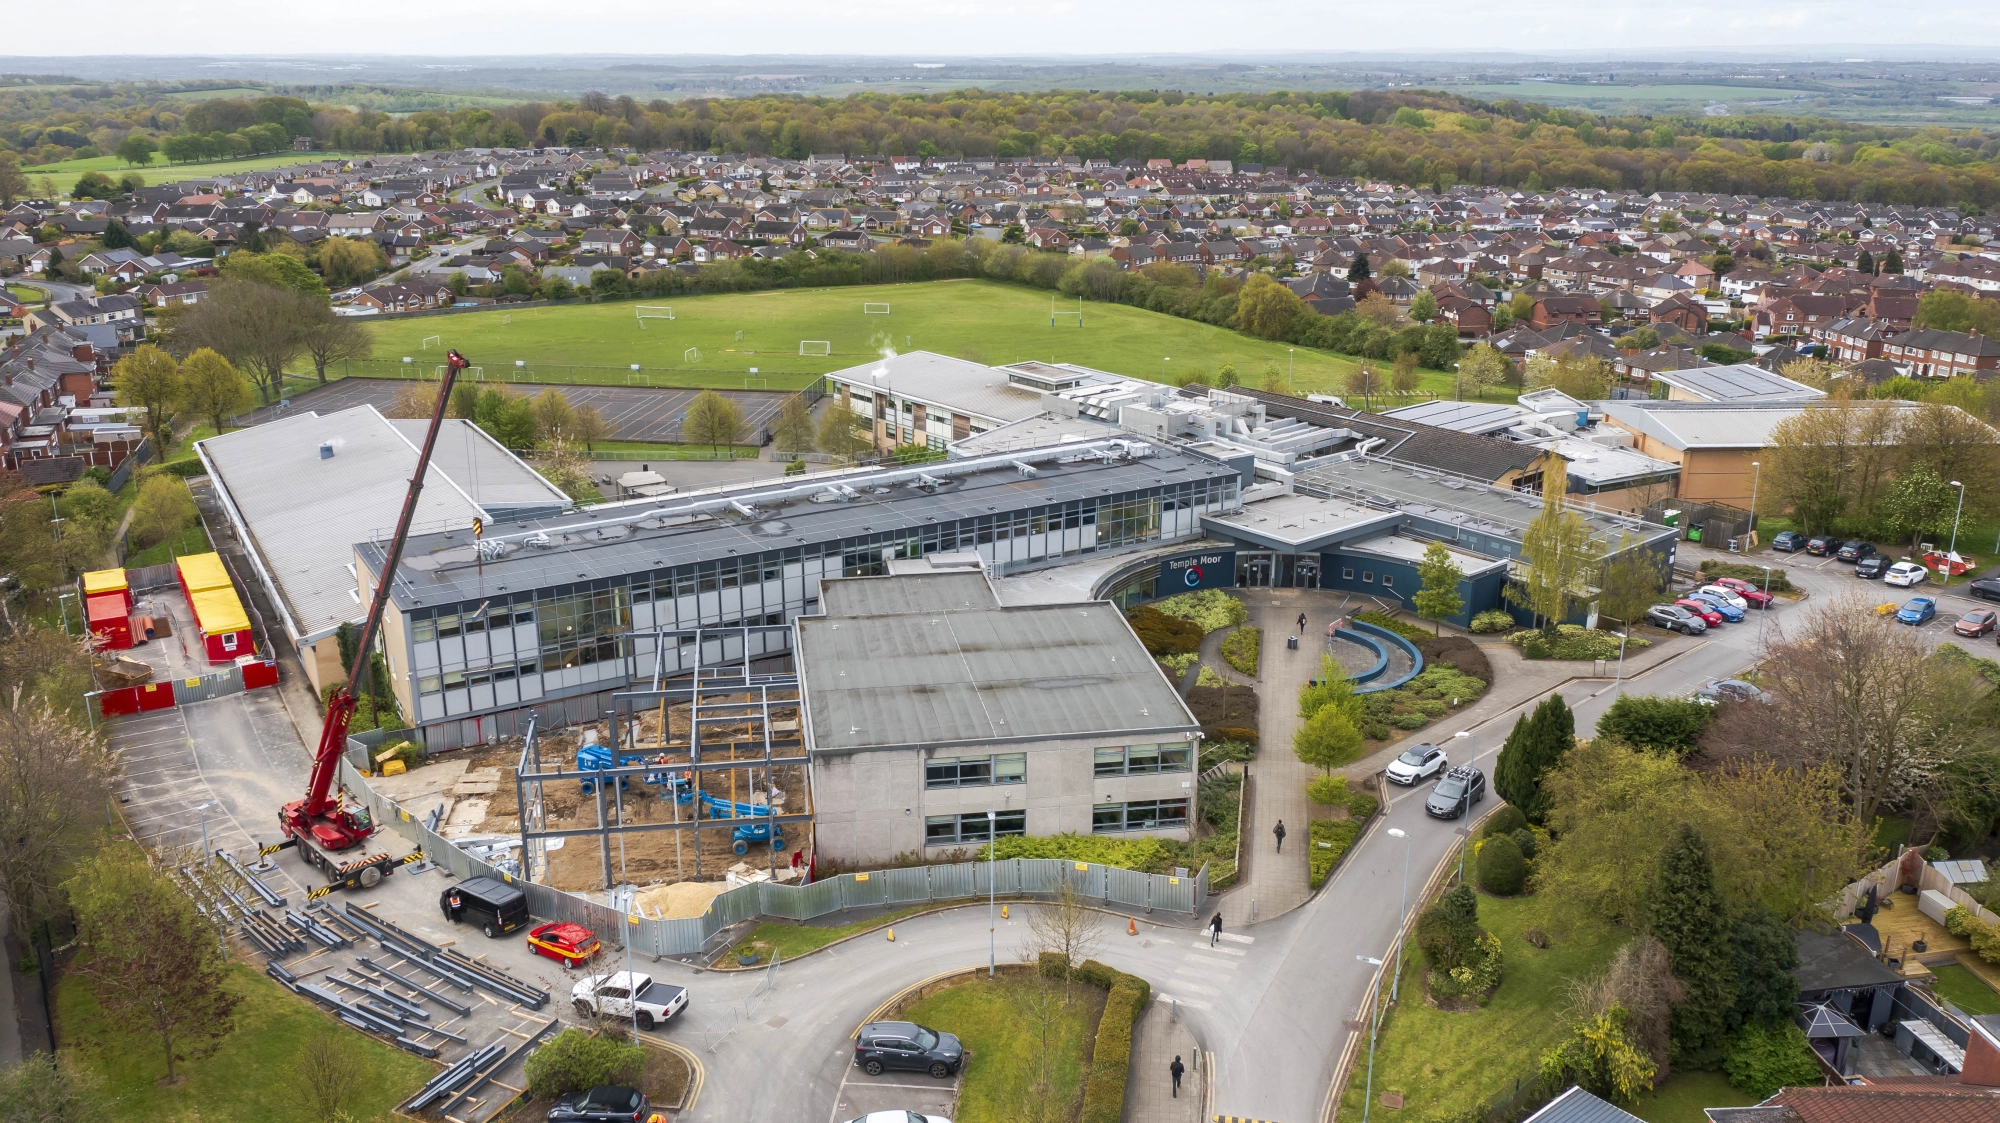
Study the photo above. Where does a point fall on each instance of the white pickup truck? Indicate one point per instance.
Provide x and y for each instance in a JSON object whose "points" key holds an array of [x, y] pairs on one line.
{"points": [[614, 996]]}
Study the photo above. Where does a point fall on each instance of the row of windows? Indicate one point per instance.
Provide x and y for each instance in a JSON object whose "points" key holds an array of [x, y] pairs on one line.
{"points": [[454, 680], [951, 830], [1145, 760], [1138, 815], [1367, 576], [969, 771]]}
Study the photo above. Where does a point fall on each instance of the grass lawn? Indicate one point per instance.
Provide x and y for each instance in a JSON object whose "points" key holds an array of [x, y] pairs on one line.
{"points": [[249, 1078], [193, 540], [1456, 1061], [66, 171], [639, 450], [991, 1018], [1682, 1097], [1966, 990], [1891, 833], [791, 940], [29, 293], [982, 321]]}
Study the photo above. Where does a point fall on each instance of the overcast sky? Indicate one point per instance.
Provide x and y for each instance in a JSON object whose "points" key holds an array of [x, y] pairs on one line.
{"points": [[981, 27]]}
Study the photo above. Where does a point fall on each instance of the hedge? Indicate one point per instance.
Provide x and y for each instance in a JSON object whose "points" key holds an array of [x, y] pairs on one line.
{"points": [[1151, 855], [1242, 647], [1104, 1094], [1330, 839], [1411, 632], [1754, 574], [1208, 609], [1162, 634]]}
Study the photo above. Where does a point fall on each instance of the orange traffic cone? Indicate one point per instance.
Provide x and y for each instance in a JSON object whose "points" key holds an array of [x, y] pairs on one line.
{"points": [[1131, 926]]}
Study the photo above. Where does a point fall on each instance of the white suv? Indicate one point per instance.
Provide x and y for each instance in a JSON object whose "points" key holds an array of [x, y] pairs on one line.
{"points": [[1417, 763], [1906, 574]]}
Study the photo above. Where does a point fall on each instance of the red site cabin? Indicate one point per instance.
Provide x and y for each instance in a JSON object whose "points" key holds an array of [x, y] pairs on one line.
{"points": [[320, 822], [218, 612], [107, 606]]}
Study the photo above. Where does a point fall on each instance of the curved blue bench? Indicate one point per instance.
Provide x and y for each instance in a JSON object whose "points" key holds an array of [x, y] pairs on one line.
{"points": [[1373, 635], [1371, 644]]}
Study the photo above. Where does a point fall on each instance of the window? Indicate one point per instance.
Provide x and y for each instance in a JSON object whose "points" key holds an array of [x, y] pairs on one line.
{"points": [[1138, 815], [1347, 575], [1144, 760], [953, 830], [1388, 579], [424, 631], [967, 771], [1368, 577]]}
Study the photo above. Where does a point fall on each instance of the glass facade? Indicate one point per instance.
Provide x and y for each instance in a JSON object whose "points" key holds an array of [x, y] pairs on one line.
{"points": [[971, 771], [1145, 760], [1138, 815], [952, 830]]}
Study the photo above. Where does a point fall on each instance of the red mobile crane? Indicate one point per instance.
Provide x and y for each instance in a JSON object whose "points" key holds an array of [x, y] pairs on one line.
{"points": [[321, 826]]}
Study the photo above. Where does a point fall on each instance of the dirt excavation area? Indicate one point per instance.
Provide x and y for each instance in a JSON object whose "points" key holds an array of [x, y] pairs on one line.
{"points": [[676, 872]]}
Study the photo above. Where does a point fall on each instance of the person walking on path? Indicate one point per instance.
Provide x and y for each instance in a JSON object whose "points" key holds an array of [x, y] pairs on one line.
{"points": [[1279, 830], [1177, 1068], [1214, 929], [1302, 623]]}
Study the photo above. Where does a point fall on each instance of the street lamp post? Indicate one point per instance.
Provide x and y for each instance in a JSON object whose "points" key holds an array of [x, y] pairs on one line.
{"points": [[1374, 1022], [992, 875], [1953, 548], [203, 812], [1402, 914], [1765, 612], [1757, 472], [1291, 359]]}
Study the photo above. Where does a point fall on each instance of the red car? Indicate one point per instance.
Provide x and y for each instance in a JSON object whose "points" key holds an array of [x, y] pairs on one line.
{"points": [[1702, 609], [566, 943], [1976, 623], [1758, 598]]}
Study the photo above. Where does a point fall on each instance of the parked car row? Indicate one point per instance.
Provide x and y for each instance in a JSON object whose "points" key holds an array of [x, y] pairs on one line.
{"points": [[1723, 599]]}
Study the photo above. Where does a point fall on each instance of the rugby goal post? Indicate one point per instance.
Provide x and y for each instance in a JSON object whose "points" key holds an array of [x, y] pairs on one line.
{"points": [[868, 309], [653, 312], [1056, 312], [815, 347], [691, 355], [430, 339]]}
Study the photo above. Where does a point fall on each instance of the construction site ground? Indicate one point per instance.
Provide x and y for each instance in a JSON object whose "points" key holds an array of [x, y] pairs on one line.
{"points": [[476, 789]]}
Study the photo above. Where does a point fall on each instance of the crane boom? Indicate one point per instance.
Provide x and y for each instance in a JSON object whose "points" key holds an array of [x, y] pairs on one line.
{"points": [[313, 816]]}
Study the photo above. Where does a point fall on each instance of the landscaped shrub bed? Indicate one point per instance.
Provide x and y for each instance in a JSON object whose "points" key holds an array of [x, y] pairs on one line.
{"points": [[1162, 634], [1222, 752], [1111, 1059], [1435, 692], [1218, 803], [1242, 648], [1711, 569], [1226, 713], [1411, 632], [1457, 651], [1330, 840], [1494, 620], [1177, 665], [1572, 641], [1207, 609]]}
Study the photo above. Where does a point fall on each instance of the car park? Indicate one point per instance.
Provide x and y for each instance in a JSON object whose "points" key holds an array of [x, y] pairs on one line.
{"points": [[1871, 567], [1716, 691], [606, 1103], [1702, 609], [1725, 594], [1729, 611], [1456, 793], [1917, 610], [881, 1046], [1788, 542], [1419, 763], [1985, 588], [1756, 597], [495, 906], [569, 944], [1905, 574], [1976, 623], [1822, 545], [1853, 550], [1676, 619]]}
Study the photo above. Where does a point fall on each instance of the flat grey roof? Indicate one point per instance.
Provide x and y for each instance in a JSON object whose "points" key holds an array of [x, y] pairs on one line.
{"points": [[1739, 382], [1443, 497], [1695, 425], [304, 514], [969, 388], [645, 535], [495, 478], [934, 659], [1297, 521], [1462, 417]]}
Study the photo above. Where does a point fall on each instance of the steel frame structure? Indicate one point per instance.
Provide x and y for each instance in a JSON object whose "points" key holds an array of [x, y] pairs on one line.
{"points": [[724, 693]]}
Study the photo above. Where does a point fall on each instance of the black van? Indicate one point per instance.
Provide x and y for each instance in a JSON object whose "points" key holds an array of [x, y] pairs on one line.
{"points": [[495, 906]]}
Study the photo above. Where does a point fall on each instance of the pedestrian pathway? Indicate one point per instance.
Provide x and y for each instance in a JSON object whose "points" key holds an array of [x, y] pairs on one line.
{"points": [[1274, 882], [1161, 1035]]}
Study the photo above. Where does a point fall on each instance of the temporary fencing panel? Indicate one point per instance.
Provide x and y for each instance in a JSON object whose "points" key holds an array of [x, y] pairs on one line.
{"points": [[949, 883], [906, 886], [1128, 887], [863, 890], [1173, 894], [228, 680]]}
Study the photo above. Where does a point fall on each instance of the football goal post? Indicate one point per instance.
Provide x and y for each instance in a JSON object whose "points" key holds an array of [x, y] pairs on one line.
{"points": [[432, 339], [1057, 312], [868, 309], [653, 312], [739, 337], [506, 318], [691, 355], [808, 347]]}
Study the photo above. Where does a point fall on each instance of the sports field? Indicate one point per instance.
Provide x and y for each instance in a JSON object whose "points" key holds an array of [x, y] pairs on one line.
{"points": [[65, 172], [977, 320]]}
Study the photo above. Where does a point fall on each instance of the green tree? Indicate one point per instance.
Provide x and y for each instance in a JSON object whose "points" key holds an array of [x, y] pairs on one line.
{"points": [[553, 416], [1630, 583], [152, 961], [214, 389], [1266, 308], [277, 271], [1688, 916], [46, 1089], [1559, 554], [137, 149], [1865, 263], [1765, 955], [464, 400], [1656, 722], [162, 509], [588, 428], [1424, 307], [1892, 263], [1950, 310], [793, 434], [151, 380], [711, 420], [1327, 739], [1331, 688], [1536, 745], [13, 181], [94, 185], [1439, 596], [1357, 270], [115, 236], [349, 261], [1600, 1058], [328, 338], [1920, 504], [1482, 367]]}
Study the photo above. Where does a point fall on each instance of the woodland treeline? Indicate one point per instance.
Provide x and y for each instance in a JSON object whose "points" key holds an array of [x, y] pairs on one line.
{"points": [[1406, 136]]}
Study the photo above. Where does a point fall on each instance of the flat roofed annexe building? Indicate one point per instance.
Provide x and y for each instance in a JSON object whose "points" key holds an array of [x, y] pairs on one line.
{"points": [[542, 612], [928, 703]]}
